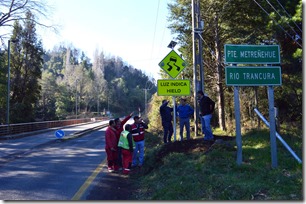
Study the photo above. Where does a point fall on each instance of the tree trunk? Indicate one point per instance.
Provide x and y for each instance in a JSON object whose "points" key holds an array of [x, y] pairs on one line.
{"points": [[219, 72]]}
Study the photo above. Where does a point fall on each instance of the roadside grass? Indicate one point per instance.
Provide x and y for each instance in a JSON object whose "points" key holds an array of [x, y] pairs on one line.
{"points": [[216, 176]]}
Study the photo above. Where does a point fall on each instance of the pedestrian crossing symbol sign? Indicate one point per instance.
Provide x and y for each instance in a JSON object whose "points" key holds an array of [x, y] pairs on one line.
{"points": [[172, 64]]}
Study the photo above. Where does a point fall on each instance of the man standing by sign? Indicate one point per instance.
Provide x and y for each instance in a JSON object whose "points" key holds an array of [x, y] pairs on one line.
{"points": [[184, 111], [206, 106], [166, 116]]}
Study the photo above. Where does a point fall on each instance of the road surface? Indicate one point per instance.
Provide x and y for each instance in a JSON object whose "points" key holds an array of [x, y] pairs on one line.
{"points": [[42, 167]]}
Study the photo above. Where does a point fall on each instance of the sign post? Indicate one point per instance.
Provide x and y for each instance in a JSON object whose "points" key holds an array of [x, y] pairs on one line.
{"points": [[253, 76], [238, 126], [272, 127], [173, 65]]}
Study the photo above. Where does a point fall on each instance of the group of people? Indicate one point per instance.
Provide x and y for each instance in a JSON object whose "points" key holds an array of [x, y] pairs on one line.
{"points": [[124, 146], [184, 111]]}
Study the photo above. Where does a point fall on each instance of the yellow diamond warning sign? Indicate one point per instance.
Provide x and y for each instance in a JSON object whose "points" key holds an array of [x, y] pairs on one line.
{"points": [[173, 64]]}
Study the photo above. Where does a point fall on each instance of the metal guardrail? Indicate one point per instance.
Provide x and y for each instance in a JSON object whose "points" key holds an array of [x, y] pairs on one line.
{"points": [[30, 127]]}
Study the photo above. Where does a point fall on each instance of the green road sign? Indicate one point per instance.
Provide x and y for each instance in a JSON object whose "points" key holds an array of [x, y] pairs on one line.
{"points": [[253, 76], [252, 54], [173, 87], [172, 64]]}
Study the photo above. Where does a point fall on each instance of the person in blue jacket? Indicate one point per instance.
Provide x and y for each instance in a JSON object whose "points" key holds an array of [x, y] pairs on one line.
{"points": [[166, 116], [184, 112]]}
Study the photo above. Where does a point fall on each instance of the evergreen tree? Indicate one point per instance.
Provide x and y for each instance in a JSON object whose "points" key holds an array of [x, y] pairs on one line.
{"points": [[3, 86], [46, 107], [26, 65]]}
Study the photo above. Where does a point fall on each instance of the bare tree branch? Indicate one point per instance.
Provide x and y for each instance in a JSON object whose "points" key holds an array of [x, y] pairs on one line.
{"points": [[12, 10]]}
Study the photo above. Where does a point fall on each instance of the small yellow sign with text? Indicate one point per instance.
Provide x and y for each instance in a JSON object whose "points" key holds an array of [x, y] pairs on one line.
{"points": [[173, 87]]}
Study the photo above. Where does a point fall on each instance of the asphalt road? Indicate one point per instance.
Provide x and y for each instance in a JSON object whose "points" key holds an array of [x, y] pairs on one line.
{"points": [[42, 167]]}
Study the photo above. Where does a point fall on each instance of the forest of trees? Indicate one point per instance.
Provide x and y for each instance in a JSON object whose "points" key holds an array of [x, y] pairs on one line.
{"points": [[50, 85], [244, 22], [57, 84]]}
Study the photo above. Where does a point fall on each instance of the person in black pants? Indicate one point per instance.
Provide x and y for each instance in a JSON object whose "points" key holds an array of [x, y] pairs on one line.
{"points": [[166, 116]]}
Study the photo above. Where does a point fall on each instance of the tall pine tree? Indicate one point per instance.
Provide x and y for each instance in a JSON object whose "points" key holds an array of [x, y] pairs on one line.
{"points": [[26, 65]]}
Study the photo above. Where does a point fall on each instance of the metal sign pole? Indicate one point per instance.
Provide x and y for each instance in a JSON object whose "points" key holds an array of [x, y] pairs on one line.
{"points": [[174, 119], [241, 76], [238, 125], [272, 127]]}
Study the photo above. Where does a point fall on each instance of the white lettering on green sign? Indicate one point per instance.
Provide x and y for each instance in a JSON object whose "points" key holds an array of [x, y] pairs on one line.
{"points": [[258, 54], [253, 76], [257, 76], [234, 76], [252, 54], [232, 53]]}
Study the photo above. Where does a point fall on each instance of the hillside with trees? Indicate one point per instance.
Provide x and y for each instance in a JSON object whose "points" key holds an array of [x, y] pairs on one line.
{"points": [[65, 83], [62, 83]]}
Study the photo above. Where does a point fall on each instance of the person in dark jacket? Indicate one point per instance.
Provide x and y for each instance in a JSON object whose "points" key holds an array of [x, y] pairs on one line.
{"points": [[166, 116], [127, 145], [206, 107]]}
